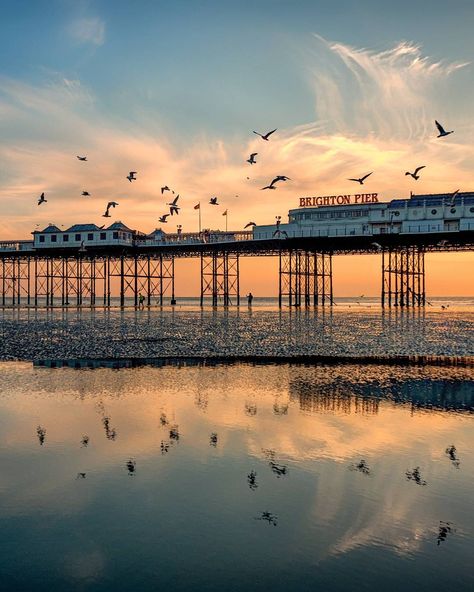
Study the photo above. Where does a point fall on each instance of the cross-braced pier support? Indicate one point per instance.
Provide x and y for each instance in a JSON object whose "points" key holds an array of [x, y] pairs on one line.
{"points": [[220, 278], [305, 278], [403, 277]]}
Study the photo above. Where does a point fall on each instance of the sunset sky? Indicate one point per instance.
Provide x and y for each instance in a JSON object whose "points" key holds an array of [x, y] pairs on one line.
{"points": [[173, 90]]}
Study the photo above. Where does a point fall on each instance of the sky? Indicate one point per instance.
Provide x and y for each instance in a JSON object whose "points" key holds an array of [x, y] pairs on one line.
{"points": [[174, 91]]}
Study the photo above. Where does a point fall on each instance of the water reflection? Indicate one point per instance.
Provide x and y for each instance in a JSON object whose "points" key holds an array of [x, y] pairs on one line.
{"points": [[293, 464]]}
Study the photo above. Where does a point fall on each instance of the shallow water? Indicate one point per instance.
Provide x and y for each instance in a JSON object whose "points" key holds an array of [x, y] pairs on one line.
{"points": [[355, 331], [236, 477]]}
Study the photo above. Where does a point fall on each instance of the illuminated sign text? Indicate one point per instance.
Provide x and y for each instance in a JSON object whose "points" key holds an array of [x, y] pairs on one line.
{"points": [[339, 200]]}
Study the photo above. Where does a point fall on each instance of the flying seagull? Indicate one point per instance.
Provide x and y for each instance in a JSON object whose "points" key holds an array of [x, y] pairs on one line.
{"points": [[251, 158], [85, 193], [213, 201], [131, 176], [362, 179], [415, 174], [265, 136], [84, 158], [163, 218], [280, 178], [111, 204], [174, 208], [41, 199], [271, 186], [453, 198], [376, 246], [250, 224], [442, 131], [165, 188]]}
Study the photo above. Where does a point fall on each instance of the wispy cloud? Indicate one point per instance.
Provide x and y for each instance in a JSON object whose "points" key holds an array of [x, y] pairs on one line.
{"points": [[374, 112], [87, 30]]}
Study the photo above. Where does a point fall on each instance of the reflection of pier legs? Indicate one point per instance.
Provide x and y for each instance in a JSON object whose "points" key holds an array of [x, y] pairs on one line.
{"points": [[220, 278], [403, 277], [305, 278]]}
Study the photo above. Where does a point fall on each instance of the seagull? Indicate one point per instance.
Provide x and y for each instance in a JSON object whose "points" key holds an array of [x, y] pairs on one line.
{"points": [[111, 204], [377, 246], [453, 198], [250, 224], [85, 193], [174, 208], [131, 176], [415, 174], [213, 201], [82, 248], [41, 199], [83, 158], [165, 188], [442, 131], [271, 186], [163, 218], [362, 179], [251, 158], [265, 136], [280, 178]]}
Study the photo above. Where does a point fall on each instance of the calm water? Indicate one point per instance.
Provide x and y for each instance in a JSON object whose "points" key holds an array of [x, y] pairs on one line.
{"points": [[236, 477]]}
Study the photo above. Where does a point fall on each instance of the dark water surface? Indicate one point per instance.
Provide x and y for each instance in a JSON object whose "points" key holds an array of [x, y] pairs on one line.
{"points": [[236, 477]]}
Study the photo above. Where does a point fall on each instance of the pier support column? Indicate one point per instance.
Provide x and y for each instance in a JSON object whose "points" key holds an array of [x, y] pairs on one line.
{"points": [[305, 277], [403, 277], [220, 278]]}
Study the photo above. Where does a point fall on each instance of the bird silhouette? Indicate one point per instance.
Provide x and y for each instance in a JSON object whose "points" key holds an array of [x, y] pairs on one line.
{"points": [[249, 224], [376, 246], [163, 218], [41, 199], [111, 204], [281, 178], [131, 176], [251, 158], [83, 158], [362, 179], [85, 193], [442, 131], [453, 198], [174, 208], [165, 188], [271, 186], [265, 136], [213, 201], [415, 174]]}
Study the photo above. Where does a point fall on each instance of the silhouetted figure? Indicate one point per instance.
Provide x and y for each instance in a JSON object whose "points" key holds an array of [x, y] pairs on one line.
{"points": [[164, 446], [268, 517], [85, 441], [443, 531], [252, 480], [249, 298], [131, 466], [361, 466], [451, 452], [141, 301], [41, 435], [213, 439], [415, 475]]}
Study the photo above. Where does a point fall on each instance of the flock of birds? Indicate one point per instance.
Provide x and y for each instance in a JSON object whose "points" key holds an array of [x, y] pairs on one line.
{"points": [[174, 208]]}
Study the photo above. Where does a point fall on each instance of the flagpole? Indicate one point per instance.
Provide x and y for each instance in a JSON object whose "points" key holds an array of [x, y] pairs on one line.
{"points": [[226, 218], [199, 217]]}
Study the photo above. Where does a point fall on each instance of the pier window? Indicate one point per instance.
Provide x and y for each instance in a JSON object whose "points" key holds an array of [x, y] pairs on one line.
{"points": [[41, 238], [90, 236], [103, 235], [53, 238], [434, 212], [116, 235], [65, 238], [78, 237]]}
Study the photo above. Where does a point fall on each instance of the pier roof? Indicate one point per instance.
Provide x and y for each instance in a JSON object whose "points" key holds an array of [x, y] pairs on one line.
{"points": [[82, 227], [49, 228], [119, 226]]}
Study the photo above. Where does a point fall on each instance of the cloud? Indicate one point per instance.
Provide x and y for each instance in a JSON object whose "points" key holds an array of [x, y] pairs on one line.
{"points": [[88, 30], [374, 112]]}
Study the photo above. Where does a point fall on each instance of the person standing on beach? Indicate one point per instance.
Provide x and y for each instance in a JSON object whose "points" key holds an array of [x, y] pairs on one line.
{"points": [[249, 298], [141, 301]]}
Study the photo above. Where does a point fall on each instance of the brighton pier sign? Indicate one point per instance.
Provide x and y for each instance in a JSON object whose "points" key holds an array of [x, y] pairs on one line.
{"points": [[339, 200]]}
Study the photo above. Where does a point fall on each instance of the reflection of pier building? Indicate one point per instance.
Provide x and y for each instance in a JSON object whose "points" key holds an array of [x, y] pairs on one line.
{"points": [[78, 265]]}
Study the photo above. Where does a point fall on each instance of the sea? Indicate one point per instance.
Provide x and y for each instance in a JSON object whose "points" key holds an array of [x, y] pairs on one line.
{"points": [[189, 448]]}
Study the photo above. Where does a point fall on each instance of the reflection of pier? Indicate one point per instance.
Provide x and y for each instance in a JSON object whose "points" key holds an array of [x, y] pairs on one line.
{"points": [[345, 396], [338, 388]]}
